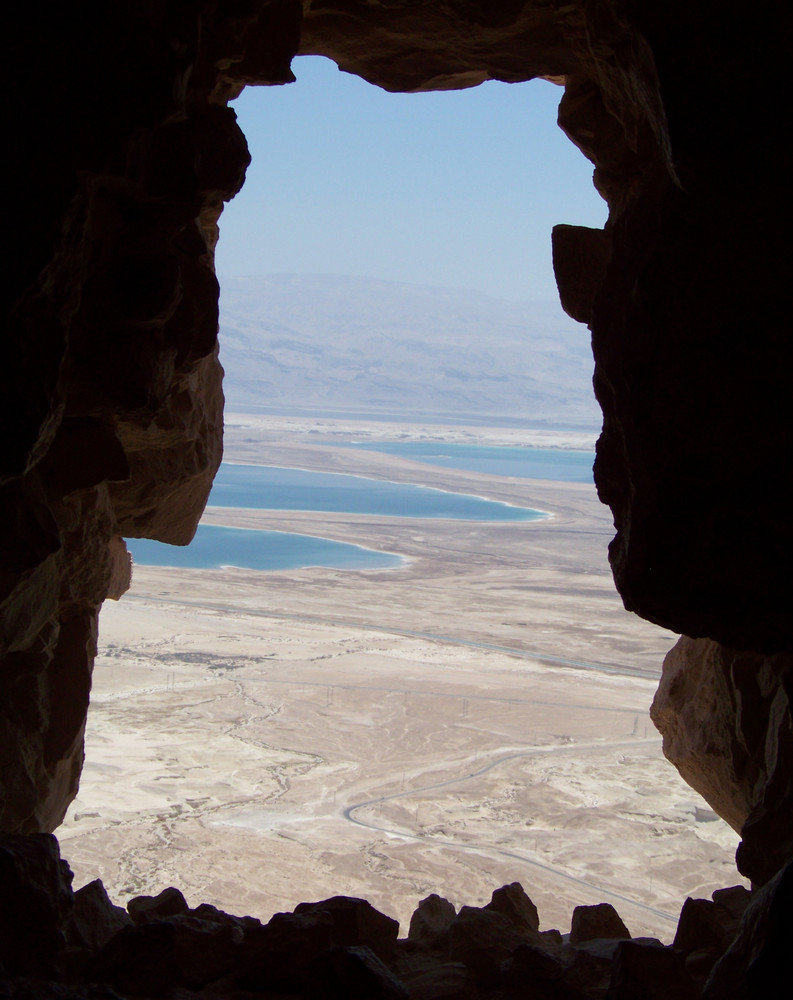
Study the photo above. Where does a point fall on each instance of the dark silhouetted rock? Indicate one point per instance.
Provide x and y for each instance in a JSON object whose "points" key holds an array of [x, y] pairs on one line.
{"points": [[276, 955], [110, 387], [169, 903], [601, 949], [758, 965], [37, 989], [704, 924], [538, 973], [512, 902], [598, 921], [482, 940], [725, 716], [353, 973], [580, 257], [734, 899], [430, 923], [648, 971], [35, 902], [158, 956], [442, 981], [356, 922], [591, 967], [205, 911], [94, 919]]}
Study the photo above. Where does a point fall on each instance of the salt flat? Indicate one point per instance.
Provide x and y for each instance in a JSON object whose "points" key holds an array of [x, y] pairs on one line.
{"points": [[446, 726]]}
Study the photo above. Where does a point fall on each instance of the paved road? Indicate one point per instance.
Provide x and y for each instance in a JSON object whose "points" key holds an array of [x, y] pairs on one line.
{"points": [[349, 814]]}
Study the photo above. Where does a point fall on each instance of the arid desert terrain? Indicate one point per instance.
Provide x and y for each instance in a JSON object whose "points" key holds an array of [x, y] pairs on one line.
{"points": [[474, 717]]}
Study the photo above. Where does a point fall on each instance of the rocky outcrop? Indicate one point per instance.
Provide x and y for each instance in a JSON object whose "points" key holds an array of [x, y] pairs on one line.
{"points": [[590, 923], [35, 906], [727, 725], [55, 944]]}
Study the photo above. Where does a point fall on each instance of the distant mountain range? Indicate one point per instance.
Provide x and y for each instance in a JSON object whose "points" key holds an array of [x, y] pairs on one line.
{"points": [[320, 343]]}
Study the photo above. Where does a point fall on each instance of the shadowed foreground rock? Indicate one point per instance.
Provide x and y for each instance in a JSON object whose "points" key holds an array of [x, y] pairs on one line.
{"points": [[56, 944]]}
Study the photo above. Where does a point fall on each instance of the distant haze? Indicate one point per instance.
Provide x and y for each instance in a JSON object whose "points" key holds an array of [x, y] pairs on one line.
{"points": [[327, 343]]}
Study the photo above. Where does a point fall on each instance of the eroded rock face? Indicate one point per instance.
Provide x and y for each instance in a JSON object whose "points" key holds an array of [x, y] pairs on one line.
{"points": [[110, 385], [725, 717]]}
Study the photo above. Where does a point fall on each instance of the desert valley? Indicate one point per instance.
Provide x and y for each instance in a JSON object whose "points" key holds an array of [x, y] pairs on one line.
{"points": [[474, 716]]}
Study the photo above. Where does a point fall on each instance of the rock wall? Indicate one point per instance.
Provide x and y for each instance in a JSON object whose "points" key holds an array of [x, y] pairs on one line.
{"points": [[123, 155], [110, 386], [726, 720]]}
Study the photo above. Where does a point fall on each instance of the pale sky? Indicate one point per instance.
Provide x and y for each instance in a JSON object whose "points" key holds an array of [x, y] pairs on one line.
{"points": [[456, 188]]}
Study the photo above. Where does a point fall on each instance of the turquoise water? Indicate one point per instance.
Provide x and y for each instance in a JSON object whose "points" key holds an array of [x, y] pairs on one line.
{"points": [[523, 463], [264, 487], [274, 488], [249, 548]]}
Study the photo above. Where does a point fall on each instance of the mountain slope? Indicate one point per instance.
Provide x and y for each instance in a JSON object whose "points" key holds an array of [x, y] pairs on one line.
{"points": [[319, 342]]}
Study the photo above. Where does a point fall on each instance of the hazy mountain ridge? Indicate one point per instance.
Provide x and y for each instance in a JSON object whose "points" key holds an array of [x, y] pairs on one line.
{"points": [[366, 345]]}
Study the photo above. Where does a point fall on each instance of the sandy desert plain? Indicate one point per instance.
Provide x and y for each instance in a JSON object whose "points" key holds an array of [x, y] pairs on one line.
{"points": [[476, 716]]}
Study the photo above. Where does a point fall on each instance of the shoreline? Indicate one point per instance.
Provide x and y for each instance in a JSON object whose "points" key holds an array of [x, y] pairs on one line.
{"points": [[373, 429], [267, 569], [390, 482]]}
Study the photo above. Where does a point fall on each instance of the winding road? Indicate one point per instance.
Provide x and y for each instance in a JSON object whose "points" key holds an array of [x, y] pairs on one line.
{"points": [[349, 812]]}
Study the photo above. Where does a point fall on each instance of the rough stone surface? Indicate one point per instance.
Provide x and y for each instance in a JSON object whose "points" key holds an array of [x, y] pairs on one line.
{"points": [[733, 900], [482, 940], [56, 945], [512, 902], [356, 922], [705, 924], [649, 972], [759, 961], [35, 904], [430, 922], [352, 973], [169, 903], [449, 981], [94, 918], [277, 956], [542, 972], [156, 957], [600, 921], [109, 380], [580, 258], [725, 717]]}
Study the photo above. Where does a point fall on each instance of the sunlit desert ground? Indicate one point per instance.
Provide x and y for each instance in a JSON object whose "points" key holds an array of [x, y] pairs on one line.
{"points": [[474, 717]]}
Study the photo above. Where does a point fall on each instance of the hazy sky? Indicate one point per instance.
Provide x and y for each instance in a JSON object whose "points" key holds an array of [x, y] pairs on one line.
{"points": [[456, 188]]}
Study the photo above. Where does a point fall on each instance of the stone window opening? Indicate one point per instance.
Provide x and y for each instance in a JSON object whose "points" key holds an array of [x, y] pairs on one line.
{"points": [[112, 404], [187, 816]]}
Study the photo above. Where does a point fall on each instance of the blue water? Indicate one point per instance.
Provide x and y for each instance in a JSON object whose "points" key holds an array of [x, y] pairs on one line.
{"points": [[523, 463], [249, 548], [264, 487]]}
